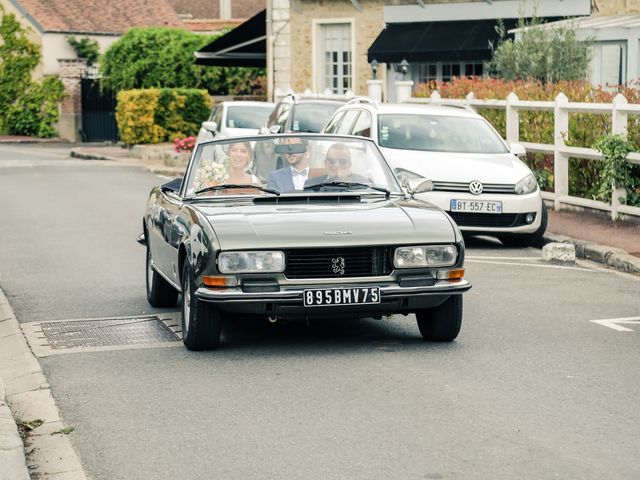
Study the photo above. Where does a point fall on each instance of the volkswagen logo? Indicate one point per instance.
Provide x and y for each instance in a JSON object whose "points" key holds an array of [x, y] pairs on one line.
{"points": [[337, 265], [475, 187]]}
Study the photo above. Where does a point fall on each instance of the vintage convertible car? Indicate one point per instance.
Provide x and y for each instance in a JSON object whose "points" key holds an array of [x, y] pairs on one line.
{"points": [[299, 227]]}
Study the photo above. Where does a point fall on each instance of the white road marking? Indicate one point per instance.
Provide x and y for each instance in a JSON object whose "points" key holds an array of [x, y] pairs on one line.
{"points": [[559, 267], [612, 323]]}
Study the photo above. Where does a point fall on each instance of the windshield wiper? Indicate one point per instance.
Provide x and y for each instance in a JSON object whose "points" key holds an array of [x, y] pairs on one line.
{"points": [[317, 186], [226, 186]]}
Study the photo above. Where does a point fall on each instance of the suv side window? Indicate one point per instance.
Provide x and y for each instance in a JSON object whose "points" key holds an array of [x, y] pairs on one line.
{"points": [[334, 123], [362, 127], [347, 122]]}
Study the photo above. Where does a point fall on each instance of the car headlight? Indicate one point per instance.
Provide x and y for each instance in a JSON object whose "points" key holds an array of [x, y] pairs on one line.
{"points": [[250, 262], [405, 175], [425, 256], [527, 185]]}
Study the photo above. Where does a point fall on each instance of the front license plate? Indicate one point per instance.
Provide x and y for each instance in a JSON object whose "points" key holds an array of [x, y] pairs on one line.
{"points": [[341, 296], [476, 206]]}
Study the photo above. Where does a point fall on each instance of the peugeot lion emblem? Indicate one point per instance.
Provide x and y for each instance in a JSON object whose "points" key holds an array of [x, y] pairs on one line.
{"points": [[475, 187], [337, 264]]}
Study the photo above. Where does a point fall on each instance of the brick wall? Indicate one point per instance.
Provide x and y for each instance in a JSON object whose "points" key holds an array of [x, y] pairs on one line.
{"points": [[615, 7]]}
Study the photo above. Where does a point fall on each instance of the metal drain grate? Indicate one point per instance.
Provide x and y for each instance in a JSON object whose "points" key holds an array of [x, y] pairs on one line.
{"points": [[106, 332]]}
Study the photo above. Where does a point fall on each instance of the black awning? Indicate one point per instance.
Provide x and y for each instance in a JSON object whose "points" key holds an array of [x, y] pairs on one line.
{"points": [[436, 41], [244, 46]]}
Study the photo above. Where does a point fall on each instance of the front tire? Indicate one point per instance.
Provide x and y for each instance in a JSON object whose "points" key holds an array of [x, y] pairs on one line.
{"points": [[159, 292], [442, 323], [201, 321]]}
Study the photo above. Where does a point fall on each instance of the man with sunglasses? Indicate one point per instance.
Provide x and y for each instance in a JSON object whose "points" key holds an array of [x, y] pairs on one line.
{"points": [[294, 175], [338, 166]]}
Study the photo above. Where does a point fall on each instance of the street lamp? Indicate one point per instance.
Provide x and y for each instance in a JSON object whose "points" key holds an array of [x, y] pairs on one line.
{"points": [[404, 67], [374, 68]]}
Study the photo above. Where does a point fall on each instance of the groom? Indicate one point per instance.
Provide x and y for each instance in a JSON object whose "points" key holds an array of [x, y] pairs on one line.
{"points": [[295, 173]]}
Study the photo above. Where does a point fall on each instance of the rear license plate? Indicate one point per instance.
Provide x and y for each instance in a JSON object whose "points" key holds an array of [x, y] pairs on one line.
{"points": [[476, 206], [341, 296]]}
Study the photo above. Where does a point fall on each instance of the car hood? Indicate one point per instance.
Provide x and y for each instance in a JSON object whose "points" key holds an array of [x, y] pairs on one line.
{"points": [[459, 167], [394, 221]]}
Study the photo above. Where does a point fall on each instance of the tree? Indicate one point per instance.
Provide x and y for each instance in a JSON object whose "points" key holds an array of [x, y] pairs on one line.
{"points": [[163, 58], [539, 53]]}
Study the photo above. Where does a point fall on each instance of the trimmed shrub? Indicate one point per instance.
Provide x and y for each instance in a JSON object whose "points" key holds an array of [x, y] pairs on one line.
{"points": [[159, 115]]}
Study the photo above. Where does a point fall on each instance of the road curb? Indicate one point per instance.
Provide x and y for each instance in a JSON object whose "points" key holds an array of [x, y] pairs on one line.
{"points": [[25, 392], [613, 257]]}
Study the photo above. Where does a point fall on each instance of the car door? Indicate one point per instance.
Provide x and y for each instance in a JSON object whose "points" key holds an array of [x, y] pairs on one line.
{"points": [[166, 230]]}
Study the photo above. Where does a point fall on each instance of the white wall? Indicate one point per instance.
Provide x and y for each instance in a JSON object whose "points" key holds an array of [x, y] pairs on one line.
{"points": [[55, 46]]}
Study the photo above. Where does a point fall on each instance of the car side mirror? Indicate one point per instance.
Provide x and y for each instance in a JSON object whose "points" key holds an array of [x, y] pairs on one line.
{"points": [[517, 149], [419, 185], [210, 126], [274, 129], [172, 186]]}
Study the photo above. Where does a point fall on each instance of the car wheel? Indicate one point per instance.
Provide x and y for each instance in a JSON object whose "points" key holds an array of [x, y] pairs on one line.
{"points": [[528, 239], [442, 323], [201, 321], [159, 292]]}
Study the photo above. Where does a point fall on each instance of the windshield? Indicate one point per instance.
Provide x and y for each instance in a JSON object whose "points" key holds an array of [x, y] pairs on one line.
{"points": [[311, 117], [288, 164], [254, 116], [438, 133]]}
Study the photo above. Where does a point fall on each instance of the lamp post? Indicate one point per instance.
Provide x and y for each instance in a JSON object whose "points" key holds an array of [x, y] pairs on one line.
{"points": [[403, 86], [374, 68], [374, 86]]}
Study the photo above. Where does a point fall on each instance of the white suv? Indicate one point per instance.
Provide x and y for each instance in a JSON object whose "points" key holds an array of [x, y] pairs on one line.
{"points": [[477, 179], [234, 119]]}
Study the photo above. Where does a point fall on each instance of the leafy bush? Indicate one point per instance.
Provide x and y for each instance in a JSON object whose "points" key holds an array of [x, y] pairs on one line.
{"points": [[616, 171], [28, 108], [85, 48], [160, 115], [163, 58], [36, 110], [537, 127]]}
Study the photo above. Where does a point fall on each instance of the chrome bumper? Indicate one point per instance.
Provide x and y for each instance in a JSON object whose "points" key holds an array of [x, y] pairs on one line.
{"points": [[387, 292]]}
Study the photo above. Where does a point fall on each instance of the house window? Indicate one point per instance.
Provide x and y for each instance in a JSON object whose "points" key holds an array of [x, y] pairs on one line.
{"points": [[428, 72], [610, 62], [445, 71], [336, 57]]}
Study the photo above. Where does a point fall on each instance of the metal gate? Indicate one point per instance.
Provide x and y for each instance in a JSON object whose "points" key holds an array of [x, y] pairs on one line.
{"points": [[98, 112]]}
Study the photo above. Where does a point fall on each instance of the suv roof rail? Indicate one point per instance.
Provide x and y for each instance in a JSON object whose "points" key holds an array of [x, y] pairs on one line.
{"points": [[367, 100], [455, 103]]}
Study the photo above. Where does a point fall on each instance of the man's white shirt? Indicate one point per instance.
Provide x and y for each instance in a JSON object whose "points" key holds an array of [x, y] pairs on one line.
{"points": [[299, 177]]}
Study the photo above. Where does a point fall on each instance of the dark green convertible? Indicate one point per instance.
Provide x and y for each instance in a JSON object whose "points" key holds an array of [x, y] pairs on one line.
{"points": [[299, 227]]}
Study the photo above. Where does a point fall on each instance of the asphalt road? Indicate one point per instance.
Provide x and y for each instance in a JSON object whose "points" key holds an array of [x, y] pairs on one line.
{"points": [[532, 388]]}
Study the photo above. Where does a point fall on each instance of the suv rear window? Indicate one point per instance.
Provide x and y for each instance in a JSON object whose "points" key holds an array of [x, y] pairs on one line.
{"points": [[311, 117], [438, 133]]}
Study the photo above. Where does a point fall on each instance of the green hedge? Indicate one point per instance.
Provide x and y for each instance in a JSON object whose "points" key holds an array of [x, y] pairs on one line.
{"points": [[157, 115]]}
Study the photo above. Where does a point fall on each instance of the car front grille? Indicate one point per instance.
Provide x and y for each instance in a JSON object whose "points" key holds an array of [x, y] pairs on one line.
{"points": [[327, 263], [501, 220], [464, 187]]}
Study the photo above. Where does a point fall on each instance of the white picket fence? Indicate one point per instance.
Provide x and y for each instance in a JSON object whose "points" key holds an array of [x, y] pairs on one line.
{"points": [[561, 108]]}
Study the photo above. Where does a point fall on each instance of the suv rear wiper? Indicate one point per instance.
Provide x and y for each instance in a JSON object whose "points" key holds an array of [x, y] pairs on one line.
{"points": [[317, 186], [226, 186]]}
